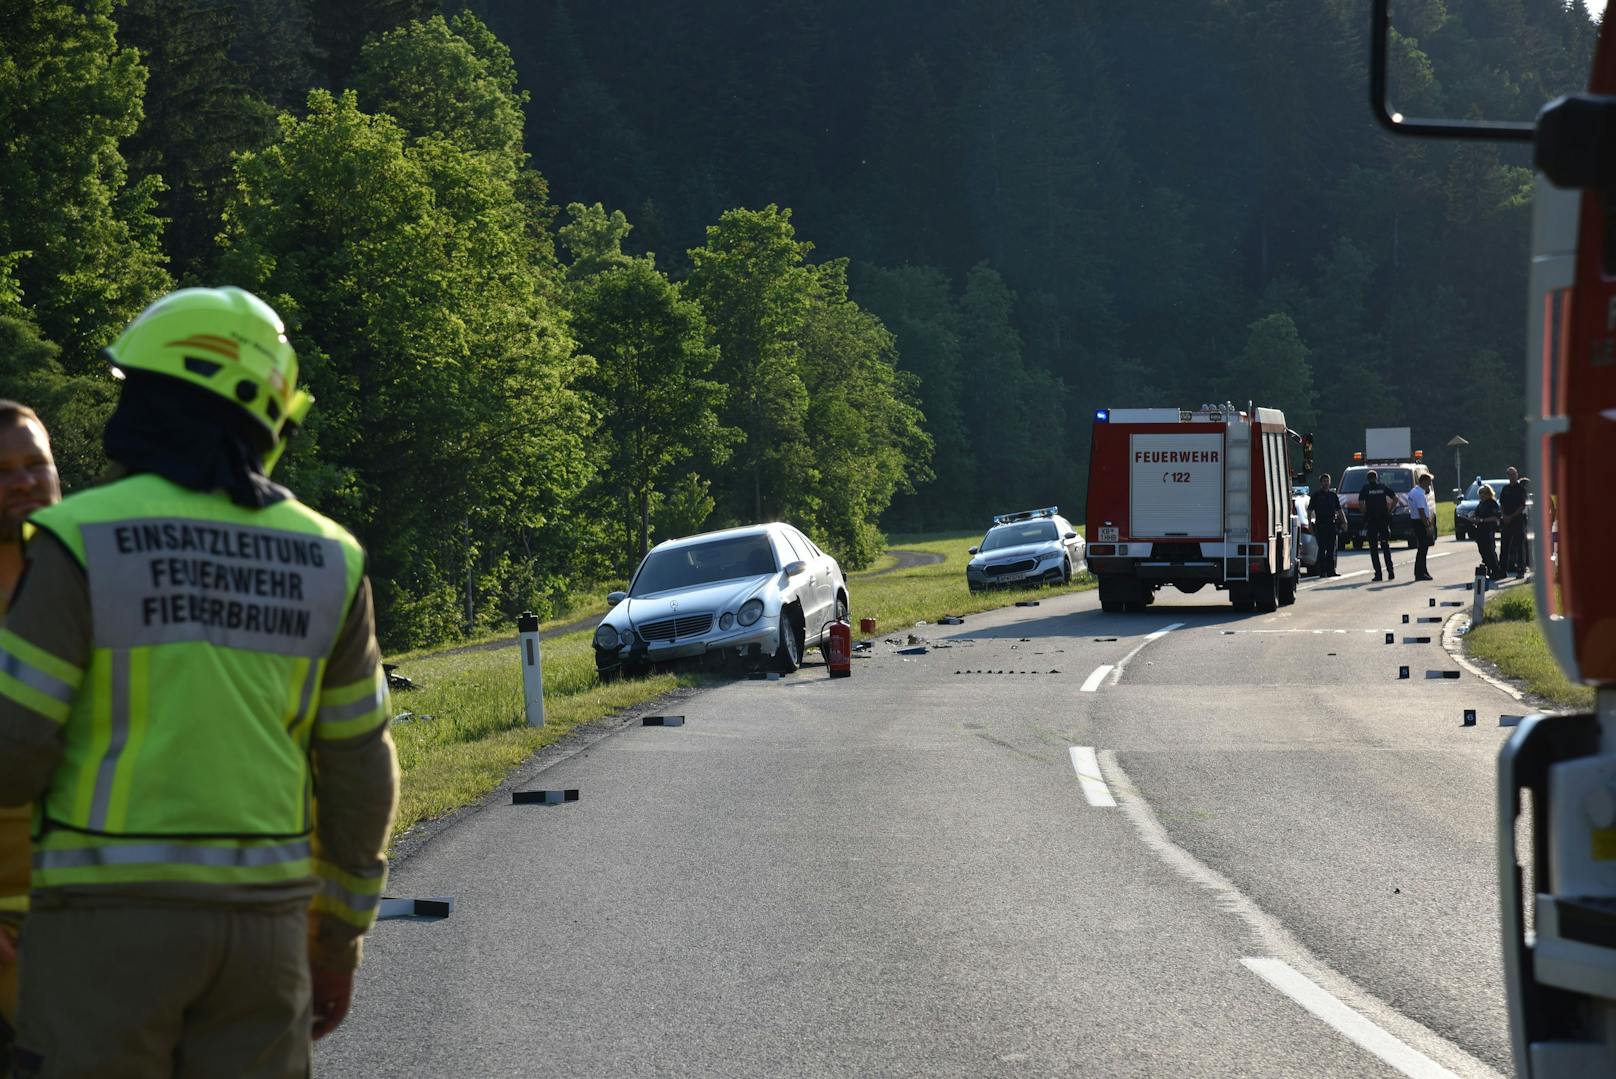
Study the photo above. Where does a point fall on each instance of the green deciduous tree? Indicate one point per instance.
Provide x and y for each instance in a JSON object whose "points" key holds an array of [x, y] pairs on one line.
{"points": [[1272, 371], [447, 431], [79, 252], [74, 408], [659, 408], [751, 279]]}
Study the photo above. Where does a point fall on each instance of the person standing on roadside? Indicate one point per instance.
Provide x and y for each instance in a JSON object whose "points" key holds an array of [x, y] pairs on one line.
{"points": [[28, 482], [1424, 521], [194, 698], [1512, 508], [1325, 510], [1377, 501], [1485, 521]]}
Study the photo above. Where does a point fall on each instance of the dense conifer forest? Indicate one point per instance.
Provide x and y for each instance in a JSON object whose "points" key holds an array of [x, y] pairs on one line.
{"points": [[567, 278]]}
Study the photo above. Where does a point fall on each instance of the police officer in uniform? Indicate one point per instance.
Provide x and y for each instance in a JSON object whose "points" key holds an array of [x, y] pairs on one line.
{"points": [[1378, 501], [1325, 509], [192, 695]]}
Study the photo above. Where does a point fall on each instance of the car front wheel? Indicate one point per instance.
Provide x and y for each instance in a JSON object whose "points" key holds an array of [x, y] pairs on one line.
{"points": [[788, 652]]}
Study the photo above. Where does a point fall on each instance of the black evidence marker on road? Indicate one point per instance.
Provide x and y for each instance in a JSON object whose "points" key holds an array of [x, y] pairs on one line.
{"points": [[544, 798]]}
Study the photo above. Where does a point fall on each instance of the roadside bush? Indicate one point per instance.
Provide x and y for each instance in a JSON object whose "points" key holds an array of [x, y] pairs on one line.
{"points": [[1514, 605]]}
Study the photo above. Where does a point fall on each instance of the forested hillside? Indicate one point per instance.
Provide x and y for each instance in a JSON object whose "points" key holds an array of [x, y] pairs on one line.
{"points": [[567, 278], [1059, 205]]}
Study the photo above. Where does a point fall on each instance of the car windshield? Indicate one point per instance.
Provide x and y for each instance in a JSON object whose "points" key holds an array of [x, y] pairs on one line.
{"points": [[704, 563], [1474, 494], [1018, 534], [1397, 479]]}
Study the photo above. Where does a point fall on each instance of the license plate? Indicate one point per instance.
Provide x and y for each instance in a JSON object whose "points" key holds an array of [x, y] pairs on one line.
{"points": [[1108, 535]]}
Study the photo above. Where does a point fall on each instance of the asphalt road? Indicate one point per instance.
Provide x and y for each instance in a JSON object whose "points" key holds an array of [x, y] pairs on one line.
{"points": [[912, 872]]}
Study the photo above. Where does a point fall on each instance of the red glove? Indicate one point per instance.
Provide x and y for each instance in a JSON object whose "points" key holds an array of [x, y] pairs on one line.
{"points": [[333, 993]]}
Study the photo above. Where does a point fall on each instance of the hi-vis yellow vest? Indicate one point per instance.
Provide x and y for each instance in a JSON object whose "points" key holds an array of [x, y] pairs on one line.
{"points": [[186, 745]]}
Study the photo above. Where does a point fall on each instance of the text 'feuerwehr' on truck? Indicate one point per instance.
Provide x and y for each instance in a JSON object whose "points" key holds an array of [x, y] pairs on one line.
{"points": [[1191, 498]]}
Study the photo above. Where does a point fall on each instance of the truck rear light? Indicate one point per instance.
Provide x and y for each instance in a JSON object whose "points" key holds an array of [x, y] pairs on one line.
{"points": [[1102, 549]]}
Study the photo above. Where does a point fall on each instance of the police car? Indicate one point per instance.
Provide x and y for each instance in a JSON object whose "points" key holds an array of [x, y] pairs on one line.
{"points": [[1029, 547]]}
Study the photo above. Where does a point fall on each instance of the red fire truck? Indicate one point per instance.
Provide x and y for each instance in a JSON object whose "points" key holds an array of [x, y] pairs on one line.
{"points": [[1191, 498]]}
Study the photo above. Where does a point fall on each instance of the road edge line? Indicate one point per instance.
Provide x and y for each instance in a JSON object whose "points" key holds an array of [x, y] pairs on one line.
{"points": [[1270, 937], [1453, 645], [1329, 1010], [1090, 777]]}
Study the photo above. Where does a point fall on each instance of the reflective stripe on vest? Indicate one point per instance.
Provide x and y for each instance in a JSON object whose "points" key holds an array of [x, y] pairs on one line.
{"points": [[188, 738], [171, 854]]}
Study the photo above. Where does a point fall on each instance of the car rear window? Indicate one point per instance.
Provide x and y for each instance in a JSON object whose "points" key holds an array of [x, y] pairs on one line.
{"points": [[1400, 480], [1016, 535], [704, 563]]}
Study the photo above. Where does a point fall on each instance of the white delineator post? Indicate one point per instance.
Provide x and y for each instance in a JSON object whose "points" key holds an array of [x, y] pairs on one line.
{"points": [[527, 644], [1478, 598]]}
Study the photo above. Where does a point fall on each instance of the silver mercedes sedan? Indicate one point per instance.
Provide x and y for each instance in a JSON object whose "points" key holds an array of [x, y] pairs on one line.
{"points": [[760, 594]]}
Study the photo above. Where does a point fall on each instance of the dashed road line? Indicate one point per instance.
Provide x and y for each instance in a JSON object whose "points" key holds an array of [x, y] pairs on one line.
{"points": [[1087, 767], [1270, 936]]}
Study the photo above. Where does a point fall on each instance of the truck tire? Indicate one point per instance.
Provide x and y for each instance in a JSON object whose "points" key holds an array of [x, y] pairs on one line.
{"points": [[1265, 593], [1286, 587], [1117, 593], [1240, 596]]}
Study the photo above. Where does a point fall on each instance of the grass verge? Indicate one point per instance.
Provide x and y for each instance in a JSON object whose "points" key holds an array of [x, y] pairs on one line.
{"points": [[1509, 638], [926, 593], [479, 734]]}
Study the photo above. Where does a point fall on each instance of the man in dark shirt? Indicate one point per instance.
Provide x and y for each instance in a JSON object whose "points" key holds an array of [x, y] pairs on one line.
{"points": [[1512, 504], [1377, 501], [1325, 509]]}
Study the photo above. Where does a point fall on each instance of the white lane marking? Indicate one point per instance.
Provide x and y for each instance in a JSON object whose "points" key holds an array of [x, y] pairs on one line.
{"points": [[1270, 936], [1087, 767], [1116, 673], [1366, 1035], [1093, 681]]}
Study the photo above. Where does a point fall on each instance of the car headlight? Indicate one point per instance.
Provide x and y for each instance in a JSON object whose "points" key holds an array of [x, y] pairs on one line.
{"points": [[750, 612], [628, 637], [727, 621], [605, 636]]}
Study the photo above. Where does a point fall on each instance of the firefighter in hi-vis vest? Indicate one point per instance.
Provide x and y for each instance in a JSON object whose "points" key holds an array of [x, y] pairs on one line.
{"points": [[191, 694], [28, 482]]}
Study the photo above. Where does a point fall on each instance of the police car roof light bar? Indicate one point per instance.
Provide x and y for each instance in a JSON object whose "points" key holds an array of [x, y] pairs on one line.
{"points": [[1025, 515]]}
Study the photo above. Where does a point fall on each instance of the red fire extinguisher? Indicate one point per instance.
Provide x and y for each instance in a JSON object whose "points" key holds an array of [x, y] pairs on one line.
{"points": [[839, 650]]}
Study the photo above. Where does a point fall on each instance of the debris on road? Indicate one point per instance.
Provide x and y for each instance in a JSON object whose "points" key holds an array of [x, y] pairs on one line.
{"points": [[397, 681], [1510, 721], [951, 620], [1416, 640], [407, 717], [1027, 602], [919, 650]]}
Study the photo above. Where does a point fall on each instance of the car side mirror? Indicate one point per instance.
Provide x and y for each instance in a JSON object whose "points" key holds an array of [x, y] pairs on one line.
{"points": [[614, 598], [1071, 535], [973, 550], [795, 568]]}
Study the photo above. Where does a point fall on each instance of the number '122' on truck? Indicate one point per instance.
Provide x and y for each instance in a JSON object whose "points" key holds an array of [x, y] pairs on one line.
{"points": [[1190, 499]]}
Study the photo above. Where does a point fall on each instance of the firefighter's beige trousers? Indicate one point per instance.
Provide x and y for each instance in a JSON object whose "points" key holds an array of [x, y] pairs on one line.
{"points": [[144, 991]]}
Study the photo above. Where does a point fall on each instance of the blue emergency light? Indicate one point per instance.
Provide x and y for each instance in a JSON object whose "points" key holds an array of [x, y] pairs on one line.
{"points": [[1102, 415]]}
